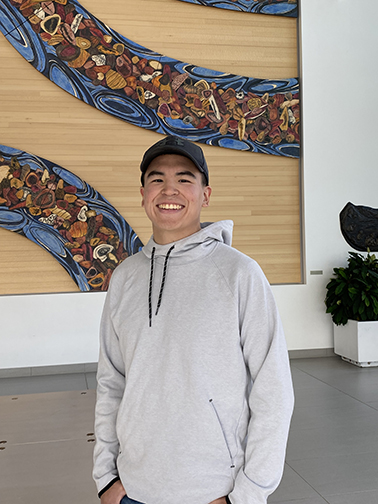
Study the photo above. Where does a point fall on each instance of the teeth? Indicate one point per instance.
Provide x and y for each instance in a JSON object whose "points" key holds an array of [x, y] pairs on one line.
{"points": [[171, 206]]}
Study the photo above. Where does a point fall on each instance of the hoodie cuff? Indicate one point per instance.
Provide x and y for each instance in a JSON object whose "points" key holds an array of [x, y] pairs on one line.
{"points": [[108, 486]]}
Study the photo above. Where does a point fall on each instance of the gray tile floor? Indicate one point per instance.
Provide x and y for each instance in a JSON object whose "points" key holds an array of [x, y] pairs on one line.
{"points": [[46, 437]]}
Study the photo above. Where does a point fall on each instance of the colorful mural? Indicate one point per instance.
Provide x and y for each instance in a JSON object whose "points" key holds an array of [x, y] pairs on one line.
{"points": [[287, 8], [64, 215], [92, 62]]}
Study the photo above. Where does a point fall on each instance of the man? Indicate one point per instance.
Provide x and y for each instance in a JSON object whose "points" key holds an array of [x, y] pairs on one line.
{"points": [[194, 392]]}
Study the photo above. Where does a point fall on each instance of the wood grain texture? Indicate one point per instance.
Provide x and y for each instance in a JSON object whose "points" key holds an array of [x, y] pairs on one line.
{"points": [[259, 192]]}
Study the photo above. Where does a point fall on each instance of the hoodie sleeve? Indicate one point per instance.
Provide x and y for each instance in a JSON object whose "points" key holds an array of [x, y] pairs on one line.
{"points": [[110, 389], [271, 399]]}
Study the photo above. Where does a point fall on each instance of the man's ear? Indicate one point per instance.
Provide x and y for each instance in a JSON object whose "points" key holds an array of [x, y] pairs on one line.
{"points": [[206, 196], [142, 193]]}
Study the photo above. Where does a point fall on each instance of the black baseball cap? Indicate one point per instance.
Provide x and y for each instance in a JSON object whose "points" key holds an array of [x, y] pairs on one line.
{"points": [[175, 145]]}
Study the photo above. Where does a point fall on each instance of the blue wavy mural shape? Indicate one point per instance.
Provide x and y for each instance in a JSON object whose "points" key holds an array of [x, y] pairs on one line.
{"points": [[275, 7], [64, 215], [92, 62]]}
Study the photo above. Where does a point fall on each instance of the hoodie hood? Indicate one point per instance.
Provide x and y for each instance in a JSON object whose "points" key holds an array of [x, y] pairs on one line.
{"points": [[193, 246]]}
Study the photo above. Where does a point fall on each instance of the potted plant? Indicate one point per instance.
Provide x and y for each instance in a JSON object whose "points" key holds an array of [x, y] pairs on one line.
{"points": [[352, 300]]}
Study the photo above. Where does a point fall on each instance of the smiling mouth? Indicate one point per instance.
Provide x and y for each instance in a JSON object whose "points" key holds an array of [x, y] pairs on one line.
{"points": [[170, 206]]}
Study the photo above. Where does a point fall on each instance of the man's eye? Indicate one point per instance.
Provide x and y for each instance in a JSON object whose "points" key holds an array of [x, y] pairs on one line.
{"points": [[184, 180]]}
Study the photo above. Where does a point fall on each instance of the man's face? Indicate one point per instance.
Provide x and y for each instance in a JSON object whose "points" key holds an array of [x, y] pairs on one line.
{"points": [[173, 196]]}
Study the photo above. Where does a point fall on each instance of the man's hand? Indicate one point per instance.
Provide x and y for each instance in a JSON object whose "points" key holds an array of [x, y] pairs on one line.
{"points": [[114, 494], [222, 500]]}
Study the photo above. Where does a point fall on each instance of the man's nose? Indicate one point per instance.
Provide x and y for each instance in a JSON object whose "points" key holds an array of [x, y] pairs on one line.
{"points": [[170, 187]]}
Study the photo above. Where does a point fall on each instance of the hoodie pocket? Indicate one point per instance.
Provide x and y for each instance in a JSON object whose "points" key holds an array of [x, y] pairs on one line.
{"points": [[223, 432]]}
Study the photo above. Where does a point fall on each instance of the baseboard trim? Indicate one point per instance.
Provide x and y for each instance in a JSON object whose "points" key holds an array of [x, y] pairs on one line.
{"points": [[311, 353], [90, 367]]}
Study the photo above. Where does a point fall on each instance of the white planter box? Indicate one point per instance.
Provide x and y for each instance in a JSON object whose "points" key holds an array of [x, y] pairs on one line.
{"points": [[357, 342]]}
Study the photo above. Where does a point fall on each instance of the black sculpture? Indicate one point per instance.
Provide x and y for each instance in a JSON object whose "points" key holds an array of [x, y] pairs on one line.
{"points": [[359, 226]]}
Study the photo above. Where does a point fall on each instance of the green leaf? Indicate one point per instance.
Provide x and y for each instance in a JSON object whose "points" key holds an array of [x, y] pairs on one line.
{"points": [[341, 272], [340, 288], [356, 306], [375, 303], [331, 309]]}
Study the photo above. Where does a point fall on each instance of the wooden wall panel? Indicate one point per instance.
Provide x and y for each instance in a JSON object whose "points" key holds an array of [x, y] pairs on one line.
{"points": [[259, 192]]}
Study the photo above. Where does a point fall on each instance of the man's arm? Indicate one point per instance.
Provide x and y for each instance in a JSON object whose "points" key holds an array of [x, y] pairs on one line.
{"points": [[271, 398], [110, 389], [114, 494]]}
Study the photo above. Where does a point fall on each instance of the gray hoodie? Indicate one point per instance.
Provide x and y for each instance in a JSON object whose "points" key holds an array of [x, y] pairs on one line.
{"points": [[194, 395]]}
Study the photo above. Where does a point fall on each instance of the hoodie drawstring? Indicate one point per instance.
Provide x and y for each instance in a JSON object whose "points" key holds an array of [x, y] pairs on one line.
{"points": [[163, 278], [162, 283], [150, 286]]}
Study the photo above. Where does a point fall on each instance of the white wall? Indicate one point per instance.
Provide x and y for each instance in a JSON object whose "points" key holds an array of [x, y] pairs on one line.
{"points": [[49, 329], [339, 43]]}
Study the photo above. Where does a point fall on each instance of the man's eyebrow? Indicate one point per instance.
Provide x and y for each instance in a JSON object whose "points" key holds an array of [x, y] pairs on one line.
{"points": [[186, 173], [153, 173]]}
